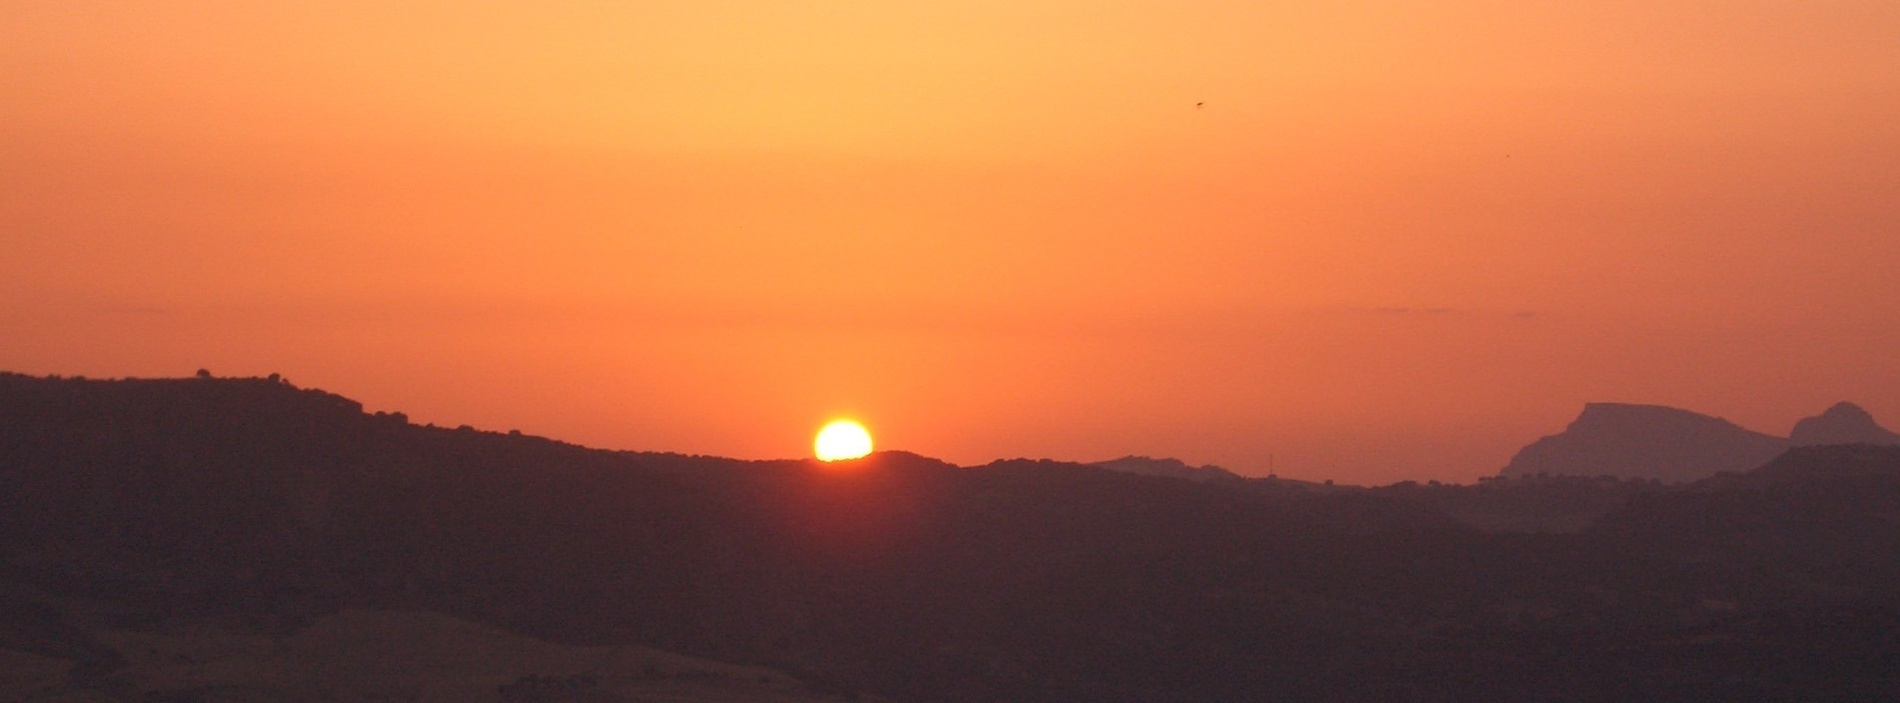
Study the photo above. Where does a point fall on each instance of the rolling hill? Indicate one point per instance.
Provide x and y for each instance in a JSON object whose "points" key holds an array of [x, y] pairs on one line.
{"points": [[266, 513]]}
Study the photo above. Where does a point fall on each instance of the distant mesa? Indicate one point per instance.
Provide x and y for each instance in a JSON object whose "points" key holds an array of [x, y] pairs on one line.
{"points": [[1671, 444], [1646, 441], [1170, 468], [1845, 423]]}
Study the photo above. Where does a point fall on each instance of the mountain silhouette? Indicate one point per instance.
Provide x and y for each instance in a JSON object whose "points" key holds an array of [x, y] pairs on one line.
{"points": [[1645, 441], [1171, 468], [136, 516], [1845, 423], [1668, 444]]}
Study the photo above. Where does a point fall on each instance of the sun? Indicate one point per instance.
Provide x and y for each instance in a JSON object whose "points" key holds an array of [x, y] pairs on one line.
{"points": [[842, 439]]}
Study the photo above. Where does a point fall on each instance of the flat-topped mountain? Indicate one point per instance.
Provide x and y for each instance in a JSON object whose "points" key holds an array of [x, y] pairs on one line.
{"points": [[1646, 441], [1669, 444]]}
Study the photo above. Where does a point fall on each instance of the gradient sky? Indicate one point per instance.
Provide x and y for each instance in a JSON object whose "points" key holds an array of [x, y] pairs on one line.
{"points": [[1397, 240]]}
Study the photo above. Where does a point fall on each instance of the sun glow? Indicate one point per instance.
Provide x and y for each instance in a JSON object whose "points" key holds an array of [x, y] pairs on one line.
{"points": [[842, 439]]}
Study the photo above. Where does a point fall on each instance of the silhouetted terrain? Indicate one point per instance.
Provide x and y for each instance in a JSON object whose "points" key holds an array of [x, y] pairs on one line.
{"points": [[1656, 442], [1845, 423], [1645, 441], [362, 655], [1171, 468], [252, 508]]}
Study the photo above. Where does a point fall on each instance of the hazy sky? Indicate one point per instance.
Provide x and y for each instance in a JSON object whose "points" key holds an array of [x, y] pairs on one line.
{"points": [[1395, 240]]}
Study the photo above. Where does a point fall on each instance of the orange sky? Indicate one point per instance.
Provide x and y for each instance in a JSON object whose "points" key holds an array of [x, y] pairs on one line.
{"points": [[1399, 240]]}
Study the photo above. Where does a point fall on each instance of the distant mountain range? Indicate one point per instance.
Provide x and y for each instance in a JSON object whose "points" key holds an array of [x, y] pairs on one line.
{"points": [[214, 539], [1669, 444], [1171, 468]]}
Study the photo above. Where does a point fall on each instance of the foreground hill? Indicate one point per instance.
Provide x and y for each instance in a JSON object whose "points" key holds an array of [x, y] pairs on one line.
{"points": [[361, 655], [254, 508]]}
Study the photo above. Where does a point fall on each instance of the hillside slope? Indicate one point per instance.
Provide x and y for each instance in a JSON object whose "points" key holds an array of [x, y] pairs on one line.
{"points": [[251, 507]]}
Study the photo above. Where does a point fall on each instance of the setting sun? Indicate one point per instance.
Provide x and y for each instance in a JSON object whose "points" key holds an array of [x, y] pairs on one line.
{"points": [[842, 439]]}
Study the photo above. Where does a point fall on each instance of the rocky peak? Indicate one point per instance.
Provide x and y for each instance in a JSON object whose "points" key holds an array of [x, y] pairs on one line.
{"points": [[1845, 423], [1645, 441]]}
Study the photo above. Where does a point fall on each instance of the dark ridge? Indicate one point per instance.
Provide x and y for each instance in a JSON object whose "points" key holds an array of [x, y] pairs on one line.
{"points": [[1845, 423], [162, 505], [1827, 464], [1171, 468], [1645, 441]]}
